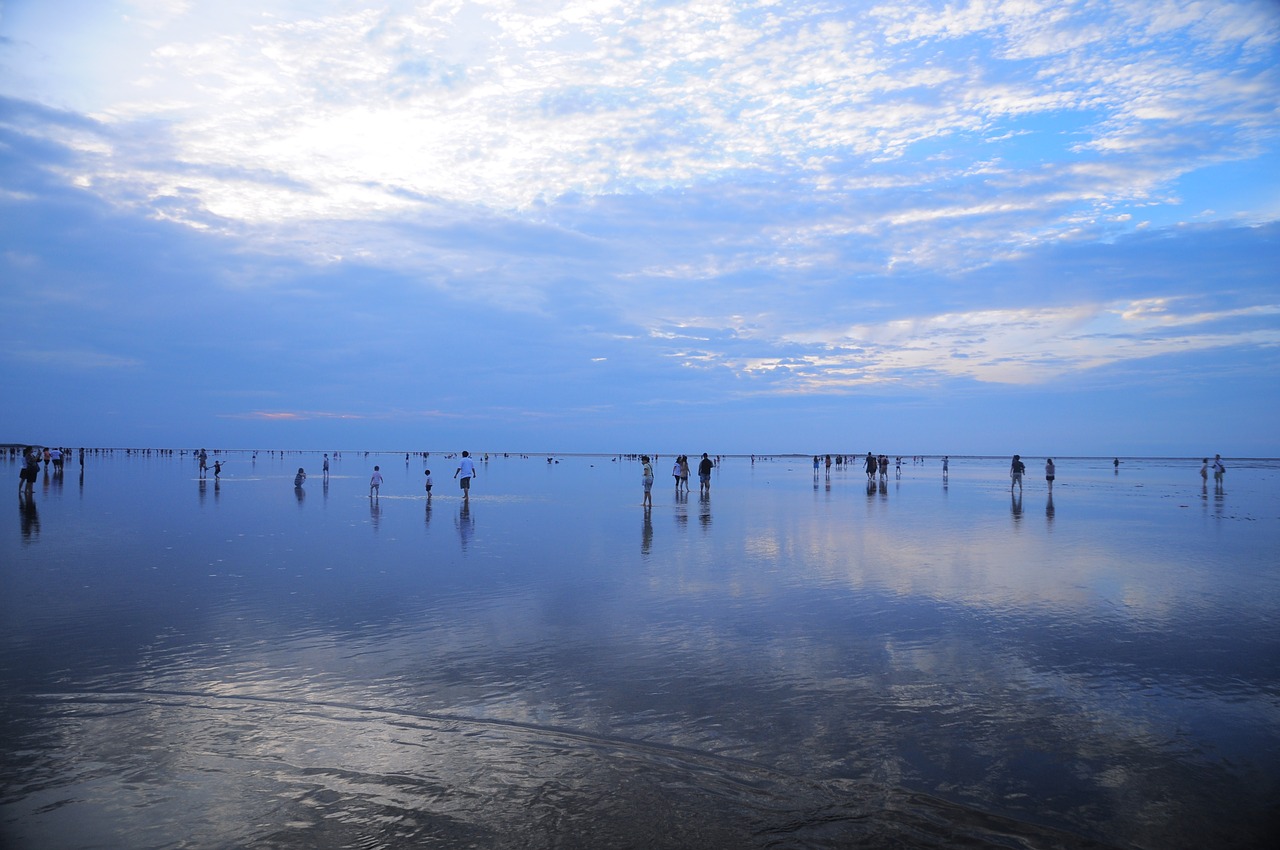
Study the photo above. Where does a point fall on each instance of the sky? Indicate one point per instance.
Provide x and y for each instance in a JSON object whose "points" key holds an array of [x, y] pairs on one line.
{"points": [[1036, 226]]}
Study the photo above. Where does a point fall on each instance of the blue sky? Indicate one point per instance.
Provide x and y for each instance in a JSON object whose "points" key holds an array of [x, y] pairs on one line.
{"points": [[910, 227]]}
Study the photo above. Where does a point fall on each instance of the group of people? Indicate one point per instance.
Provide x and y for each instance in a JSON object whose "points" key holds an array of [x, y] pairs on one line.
{"points": [[1017, 469], [203, 457], [465, 472], [680, 472], [53, 458], [1219, 471], [874, 464]]}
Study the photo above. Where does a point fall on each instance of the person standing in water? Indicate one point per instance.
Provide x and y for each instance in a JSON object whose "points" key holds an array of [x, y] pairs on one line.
{"points": [[30, 470], [1049, 472], [326, 467], [467, 469], [428, 474], [704, 475], [375, 482], [297, 479], [1015, 473], [646, 480]]}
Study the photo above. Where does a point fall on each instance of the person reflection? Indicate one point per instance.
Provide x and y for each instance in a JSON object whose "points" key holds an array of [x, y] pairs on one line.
{"points": [[1048, 510], [300, 494], [375, 512], [465, 523], [646, 533], [204, 487], [29, 517], [1017, 506], [704, 510], [426, 517]]}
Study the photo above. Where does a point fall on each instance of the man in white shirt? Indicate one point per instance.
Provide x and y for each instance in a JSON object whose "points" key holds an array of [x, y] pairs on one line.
{"points": [[467, 469]]}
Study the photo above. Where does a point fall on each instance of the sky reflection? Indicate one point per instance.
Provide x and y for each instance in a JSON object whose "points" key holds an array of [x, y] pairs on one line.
{"points": [[1078, 673]]}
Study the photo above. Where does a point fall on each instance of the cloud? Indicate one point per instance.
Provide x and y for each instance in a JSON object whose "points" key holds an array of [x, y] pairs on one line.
{"points": [[396, 209], [509, 108]]}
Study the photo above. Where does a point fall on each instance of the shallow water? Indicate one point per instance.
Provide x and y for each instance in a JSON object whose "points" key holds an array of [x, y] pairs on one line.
{"points": [[791, 662]]}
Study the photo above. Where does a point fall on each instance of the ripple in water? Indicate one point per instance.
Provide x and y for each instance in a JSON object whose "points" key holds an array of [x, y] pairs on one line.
{"points": [[291, 774]]}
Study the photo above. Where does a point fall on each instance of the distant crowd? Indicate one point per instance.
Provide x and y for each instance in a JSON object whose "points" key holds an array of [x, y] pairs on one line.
{"points": [[876, 466]]}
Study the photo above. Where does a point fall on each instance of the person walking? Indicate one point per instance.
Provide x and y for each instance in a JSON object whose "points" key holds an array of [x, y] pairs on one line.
{"points": [[466, 469]]}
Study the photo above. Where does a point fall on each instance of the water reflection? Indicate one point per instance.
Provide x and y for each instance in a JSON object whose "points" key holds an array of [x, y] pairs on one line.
{"points": [[646, 532], [465, 523], [28, 517], [812, 675]]}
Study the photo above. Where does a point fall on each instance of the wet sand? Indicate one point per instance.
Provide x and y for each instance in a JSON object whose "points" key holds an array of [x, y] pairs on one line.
{"points": [[795, 661]]}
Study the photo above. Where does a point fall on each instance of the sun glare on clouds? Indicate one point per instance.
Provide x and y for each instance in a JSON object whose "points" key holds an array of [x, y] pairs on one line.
{"points": [[365, 113]]}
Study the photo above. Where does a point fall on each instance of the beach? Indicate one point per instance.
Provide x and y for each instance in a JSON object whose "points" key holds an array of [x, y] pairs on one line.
{"points": [[798, 660]]}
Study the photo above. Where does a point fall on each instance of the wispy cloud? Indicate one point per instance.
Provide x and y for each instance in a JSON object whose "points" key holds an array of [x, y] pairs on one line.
{"points": [[389, 209]]}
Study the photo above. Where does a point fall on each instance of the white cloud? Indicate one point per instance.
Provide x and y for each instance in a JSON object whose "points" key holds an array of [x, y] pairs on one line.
{"points": [[703, 159], [1003, 345], [500, 105]]}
